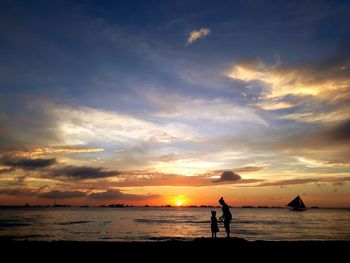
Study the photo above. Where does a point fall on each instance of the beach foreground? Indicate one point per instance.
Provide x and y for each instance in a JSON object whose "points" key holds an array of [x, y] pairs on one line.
{"points": [[200, 248]]}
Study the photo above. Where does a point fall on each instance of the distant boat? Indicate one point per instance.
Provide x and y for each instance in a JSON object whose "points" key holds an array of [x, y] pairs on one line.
{"points": [[297, 204]]}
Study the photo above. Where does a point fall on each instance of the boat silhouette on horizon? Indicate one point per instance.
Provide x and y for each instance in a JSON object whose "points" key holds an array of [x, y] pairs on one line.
{"points": [[297, 204]]}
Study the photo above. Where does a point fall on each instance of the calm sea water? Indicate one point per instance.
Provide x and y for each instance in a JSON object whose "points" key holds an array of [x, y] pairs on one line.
{"points": [[151, 224]]}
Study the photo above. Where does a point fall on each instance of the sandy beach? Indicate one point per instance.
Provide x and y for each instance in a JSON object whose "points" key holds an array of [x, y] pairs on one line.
{"points": [[200, 248]]}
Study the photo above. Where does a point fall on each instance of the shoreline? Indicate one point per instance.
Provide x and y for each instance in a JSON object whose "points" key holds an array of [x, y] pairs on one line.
{"points": [[197, 248]]}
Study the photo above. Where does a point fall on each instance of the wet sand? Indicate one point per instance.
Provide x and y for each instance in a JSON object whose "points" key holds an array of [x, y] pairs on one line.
{"points": [[198, 249]]}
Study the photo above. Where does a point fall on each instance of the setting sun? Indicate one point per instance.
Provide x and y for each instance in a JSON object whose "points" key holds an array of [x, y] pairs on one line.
{"points": [[179, 200]]}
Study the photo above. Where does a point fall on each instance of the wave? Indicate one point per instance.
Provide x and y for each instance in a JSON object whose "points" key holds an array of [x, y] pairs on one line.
{"points": [[73, 223], [170, 221], [167, 238], [258, 222], [12, 223], [194, 221]]}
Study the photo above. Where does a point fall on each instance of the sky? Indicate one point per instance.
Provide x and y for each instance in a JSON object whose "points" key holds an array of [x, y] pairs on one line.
{"points": [[174, 102]]}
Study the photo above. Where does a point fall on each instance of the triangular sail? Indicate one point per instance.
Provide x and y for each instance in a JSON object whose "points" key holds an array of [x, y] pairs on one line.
{"points": [[297, 202], [301, 203]]}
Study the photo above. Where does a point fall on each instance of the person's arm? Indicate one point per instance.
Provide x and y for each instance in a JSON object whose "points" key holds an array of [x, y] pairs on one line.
{"points": [[224, 213]]}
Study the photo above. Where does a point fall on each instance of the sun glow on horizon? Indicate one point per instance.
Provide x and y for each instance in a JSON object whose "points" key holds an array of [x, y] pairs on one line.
{"points": [[179, 200]]}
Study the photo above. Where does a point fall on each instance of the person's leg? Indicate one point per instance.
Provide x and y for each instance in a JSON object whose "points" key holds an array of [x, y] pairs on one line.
{"points": [[227, 228]]}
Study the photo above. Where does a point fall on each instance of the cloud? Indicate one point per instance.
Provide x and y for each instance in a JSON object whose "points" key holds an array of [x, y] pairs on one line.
{"points": [[26, 163], [229, 176], [62, 194], [249, 169], [274, 105], [319, 116], [136, 178], [153, 178], [46, 150], [297, 181], [306, 79], [82, 125], [31, 125], [57, 194], [22, 192], [327, 144], [341, 132], [290, 182], [245, 169], [314, 91], [81, 172], [292, 147], [204, 110], [60, 127], [6, 170], [197, 34], [171, 121], [118, 195]]}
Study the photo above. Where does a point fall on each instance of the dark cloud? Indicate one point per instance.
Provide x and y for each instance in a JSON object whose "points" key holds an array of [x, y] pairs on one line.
{"points": [[228, 176], [327, 145], [116, 194], [4, 171], [244, 169], [22, 192], [56, 194], [341, 132], [107, 195], [27, 163], [30, 124], [82, 172], [336, 134]]}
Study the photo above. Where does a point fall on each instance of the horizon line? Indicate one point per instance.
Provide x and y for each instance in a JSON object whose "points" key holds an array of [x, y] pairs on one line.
{"points": [[165, 206]]}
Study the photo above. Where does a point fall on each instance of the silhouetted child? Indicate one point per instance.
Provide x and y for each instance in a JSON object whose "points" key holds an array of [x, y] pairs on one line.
{"points": [[214, 224]]}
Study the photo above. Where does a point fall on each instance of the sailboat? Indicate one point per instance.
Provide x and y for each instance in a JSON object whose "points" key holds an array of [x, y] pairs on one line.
{"points": [[297, 204]]}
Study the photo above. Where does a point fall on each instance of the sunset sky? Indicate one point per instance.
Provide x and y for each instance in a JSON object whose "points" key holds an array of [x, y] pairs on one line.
{"points": [[175, 102]]}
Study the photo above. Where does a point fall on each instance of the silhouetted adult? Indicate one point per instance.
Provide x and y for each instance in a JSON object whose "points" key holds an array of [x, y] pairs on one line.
{"points": [[226, 216]]}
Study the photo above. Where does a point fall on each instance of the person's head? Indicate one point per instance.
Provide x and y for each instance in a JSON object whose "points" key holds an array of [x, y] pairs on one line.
{"points": [[221, 201], [213, 213]]}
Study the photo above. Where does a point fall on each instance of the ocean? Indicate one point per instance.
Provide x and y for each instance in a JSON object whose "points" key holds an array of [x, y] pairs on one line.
{"points": [[170, 223]]}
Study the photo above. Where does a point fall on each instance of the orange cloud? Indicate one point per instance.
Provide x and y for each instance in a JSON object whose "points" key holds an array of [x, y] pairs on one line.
{"points": [[297, 80], [151, 178], [40, 151], [303, 181], [316, 92]]}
